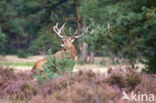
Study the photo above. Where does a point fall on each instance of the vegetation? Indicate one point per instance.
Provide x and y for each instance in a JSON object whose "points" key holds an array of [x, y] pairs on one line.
{"points": [[127, 28], [54, 68], [16, 64], [123, 30], [120, 29], [22, 54], [84, 87]]}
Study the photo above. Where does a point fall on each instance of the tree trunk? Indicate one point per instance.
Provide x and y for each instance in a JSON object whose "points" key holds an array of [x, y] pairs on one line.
{"points": [[83, 46], [83, 52], [91, 57], [78, 19]]}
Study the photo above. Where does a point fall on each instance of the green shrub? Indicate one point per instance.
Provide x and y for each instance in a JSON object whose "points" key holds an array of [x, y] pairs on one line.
{"points": [[43, 42], [55, 67], [22, 54], [151, 65], [2, 38]]}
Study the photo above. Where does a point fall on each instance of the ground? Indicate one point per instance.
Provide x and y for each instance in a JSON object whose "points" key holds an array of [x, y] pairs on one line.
{"points": [[22, 64], [82, 87]]}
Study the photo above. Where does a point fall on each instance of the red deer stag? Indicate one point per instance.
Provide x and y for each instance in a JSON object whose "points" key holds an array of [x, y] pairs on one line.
{"points": [[66, 44]]}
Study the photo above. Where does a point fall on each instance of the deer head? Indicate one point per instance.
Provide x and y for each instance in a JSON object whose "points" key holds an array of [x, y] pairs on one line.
{"points": [[66, 41]]}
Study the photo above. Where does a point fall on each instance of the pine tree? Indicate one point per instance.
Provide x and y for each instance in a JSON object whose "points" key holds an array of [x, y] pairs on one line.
{"points": [[131, 34]]}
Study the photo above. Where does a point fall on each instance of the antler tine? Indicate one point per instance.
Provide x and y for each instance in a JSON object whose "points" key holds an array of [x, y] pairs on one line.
{"points": [[62, 28], [57, 30], [82, 33], [75, 32], [54, 28], [70, 30], [92, 31], [63, 32], [87, 28]]}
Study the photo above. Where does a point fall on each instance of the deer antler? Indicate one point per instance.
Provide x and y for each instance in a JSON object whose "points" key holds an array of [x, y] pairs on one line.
{"points": [[60, 30], [75, 32], [81, 34]]}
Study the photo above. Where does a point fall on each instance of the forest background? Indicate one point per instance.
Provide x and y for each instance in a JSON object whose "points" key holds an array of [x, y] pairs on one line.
{"points": [[122, 29]]}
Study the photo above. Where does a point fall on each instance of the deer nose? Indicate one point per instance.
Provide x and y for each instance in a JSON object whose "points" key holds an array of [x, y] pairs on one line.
{"points": [[62, 45]]}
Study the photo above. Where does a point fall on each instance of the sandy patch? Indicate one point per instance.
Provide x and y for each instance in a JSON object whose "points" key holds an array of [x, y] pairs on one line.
{"points": [[13, 58]]}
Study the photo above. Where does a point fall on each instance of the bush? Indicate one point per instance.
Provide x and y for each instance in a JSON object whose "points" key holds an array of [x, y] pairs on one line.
{"points": [[16, 85], [22, 54], [2, 38], [43, 42], [55, 67], [124, 78], [87, 87], [151, 68], [82, 87]]}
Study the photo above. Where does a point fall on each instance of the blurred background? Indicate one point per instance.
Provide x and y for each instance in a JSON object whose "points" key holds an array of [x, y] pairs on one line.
{"points": [[120, 31]]}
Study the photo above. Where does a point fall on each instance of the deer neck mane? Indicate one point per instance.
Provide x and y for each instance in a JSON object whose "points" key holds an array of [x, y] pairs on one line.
{"points": [[71, 50]]}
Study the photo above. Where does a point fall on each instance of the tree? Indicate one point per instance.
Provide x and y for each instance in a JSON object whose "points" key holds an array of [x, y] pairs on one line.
{"points": [[2, 38], [22, 21], [132, 26]]}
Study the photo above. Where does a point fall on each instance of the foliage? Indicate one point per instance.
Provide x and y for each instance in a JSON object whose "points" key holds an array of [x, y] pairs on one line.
{"points": [[23, 20], [55, 67], [16, 86], [122, 29], [44, 41], [87, 87], [84, 87], [92, 37], [22, 54], [151, 64], [127, 27], [2, 37], [124, 80]]}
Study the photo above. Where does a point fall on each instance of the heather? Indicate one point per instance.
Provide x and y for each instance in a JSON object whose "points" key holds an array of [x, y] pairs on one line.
{"points": [[16, 85], [81, 87]]}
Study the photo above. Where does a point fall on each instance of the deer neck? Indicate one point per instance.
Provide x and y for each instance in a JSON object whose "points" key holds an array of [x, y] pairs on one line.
{"points": [[71, 50]]}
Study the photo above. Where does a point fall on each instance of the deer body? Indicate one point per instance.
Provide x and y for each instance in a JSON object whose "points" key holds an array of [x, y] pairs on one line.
{"points": [[39, 65], [71, 54], [68, 50]]}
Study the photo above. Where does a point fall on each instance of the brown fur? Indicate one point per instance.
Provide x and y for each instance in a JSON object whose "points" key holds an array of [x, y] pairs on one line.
{"points": [[39, 65], [58, 55]]}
